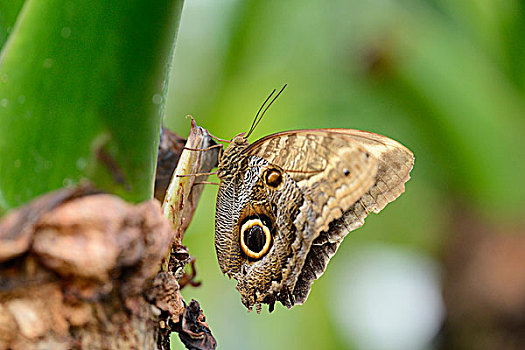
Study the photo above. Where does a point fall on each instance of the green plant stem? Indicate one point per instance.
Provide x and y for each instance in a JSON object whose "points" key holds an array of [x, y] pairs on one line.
{"points": [[82, 86]]}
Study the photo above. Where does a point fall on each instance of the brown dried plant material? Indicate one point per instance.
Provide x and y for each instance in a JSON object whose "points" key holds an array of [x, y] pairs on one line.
{"points": [[81, 269], [193, 331], [164, 294], [77, 272], [170, 149], [184, 191], [189, 278], [16, 228]]}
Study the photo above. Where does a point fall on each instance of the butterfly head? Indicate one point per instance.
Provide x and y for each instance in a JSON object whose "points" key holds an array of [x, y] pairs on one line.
{"points": [[240, 139], [228, 159]]}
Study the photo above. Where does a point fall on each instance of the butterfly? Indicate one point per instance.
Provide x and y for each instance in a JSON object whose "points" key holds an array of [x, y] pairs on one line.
{"points": [[286, 202]]}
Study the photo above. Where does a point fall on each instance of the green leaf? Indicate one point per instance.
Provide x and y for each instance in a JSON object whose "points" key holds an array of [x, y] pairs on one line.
{"points": [[8, 13], [82, 86]]}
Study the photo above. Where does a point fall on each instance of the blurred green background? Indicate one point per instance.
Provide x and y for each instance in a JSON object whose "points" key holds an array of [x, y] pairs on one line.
{"points": [[440, 268], [447, 79]]}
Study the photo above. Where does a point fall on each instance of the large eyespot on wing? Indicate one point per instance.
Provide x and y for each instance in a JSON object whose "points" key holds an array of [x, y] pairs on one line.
{"points": [[241, 210], [255, 238]]}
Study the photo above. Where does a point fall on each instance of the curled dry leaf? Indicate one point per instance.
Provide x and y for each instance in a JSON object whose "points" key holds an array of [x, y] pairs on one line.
{"points": [[193, 166], [193, 331], [170, 149]]}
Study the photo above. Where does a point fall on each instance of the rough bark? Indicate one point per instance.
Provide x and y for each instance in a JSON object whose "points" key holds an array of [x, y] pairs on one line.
{"points": [[81, 269]]}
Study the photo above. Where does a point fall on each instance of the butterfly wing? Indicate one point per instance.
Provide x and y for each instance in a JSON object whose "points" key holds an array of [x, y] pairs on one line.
{"points": [[360, 172], [349, 162], [331, 180]]}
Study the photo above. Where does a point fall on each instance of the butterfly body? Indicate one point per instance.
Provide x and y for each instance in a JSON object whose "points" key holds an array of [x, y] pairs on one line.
{"points": [[286, 202]]}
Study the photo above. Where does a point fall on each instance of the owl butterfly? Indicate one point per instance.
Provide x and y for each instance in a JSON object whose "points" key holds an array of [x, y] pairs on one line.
{"points": [[286, 202]]}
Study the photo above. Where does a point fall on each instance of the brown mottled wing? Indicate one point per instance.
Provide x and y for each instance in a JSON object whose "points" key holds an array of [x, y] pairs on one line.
{"points": [[346, 174]]}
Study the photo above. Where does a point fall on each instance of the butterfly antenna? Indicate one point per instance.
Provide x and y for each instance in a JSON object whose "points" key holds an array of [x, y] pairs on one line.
{"points": [[269, 104], [257, 115], [256, 122]]}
